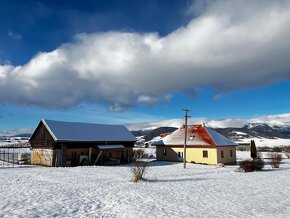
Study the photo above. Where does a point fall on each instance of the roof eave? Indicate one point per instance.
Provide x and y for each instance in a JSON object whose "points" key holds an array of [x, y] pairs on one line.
{"points": [[49, 130]]}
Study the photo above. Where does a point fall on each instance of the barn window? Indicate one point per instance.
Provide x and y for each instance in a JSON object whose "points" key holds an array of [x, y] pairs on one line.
{"points": [[231, 153], [180, 154], [205, 154], [222, 154], [164, 151]]}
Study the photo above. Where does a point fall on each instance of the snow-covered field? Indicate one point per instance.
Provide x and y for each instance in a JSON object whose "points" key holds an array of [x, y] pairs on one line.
{"points": [[171, 191], [261, 142]]}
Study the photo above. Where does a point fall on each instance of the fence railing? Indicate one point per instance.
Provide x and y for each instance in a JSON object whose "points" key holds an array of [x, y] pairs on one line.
{"points": [[14, 154]]}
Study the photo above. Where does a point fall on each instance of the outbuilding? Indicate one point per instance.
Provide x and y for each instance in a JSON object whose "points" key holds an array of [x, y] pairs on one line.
{"points": [[58, 143], [204, 145]]}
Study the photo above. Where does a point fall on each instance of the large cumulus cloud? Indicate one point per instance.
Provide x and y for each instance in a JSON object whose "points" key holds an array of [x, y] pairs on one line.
{"points": [[231, 45]]}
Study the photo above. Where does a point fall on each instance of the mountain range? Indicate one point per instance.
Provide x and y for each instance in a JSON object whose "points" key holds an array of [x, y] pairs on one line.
{"points": [[257, 131]]}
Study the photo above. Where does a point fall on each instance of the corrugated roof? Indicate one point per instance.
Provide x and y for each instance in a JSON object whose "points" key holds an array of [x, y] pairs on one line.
{"points": [[87, 132], [197, 135]]}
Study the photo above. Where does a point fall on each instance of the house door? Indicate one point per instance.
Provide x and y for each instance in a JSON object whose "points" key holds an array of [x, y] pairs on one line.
{"points": [[122, 157], [58, 158]]}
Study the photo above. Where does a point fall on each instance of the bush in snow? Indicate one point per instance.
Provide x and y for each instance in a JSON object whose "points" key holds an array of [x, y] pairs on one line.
{"points": [[277, 149], [258, 163], [286, 149], [139, 153], [275, 159], [247, 166], [139, 168], [264, 149], [252, 165]]}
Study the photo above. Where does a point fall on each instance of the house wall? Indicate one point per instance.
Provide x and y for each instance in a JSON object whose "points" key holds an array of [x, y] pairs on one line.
{"points": [[192, 154], [196, 155], [42, 156], [227, 159]]}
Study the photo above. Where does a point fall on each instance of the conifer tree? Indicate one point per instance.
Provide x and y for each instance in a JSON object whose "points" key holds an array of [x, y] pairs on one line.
{"points": [[253, 149]]}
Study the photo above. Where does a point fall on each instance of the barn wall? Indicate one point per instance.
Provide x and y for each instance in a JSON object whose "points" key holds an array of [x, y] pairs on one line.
{"points": [[73, 154], [42, 156], [41, 137], [227, 159]]}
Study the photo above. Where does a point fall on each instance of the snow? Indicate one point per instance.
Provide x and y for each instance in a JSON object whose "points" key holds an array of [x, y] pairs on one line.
{"points": [[170, 191], [261, 142], [240, 133]]}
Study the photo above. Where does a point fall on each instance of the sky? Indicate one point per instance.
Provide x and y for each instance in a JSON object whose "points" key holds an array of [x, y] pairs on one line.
{"points": [[134, 61]]}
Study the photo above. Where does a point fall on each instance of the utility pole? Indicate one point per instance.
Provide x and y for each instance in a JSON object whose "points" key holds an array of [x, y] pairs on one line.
{"points": [[185, 137]]}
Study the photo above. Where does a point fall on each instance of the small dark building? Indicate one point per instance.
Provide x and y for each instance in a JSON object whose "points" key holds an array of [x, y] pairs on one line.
{"points": [[57, 143]]}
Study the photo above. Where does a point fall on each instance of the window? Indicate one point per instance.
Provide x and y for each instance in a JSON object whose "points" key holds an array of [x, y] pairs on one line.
{"points": [[180, 154], [231, 153], [205, 154], [164, 151], [222, 154]]}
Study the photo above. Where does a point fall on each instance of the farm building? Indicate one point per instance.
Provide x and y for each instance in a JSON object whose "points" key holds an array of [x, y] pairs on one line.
{"points": [[204, 145], [57, 143]]}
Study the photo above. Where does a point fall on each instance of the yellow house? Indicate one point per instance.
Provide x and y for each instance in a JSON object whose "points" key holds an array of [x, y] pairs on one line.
{"points": [[204, 145]]}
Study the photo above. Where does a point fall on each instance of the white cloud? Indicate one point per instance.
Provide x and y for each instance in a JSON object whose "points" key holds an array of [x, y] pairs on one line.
{"points": [[16, 132], [231, 45]]}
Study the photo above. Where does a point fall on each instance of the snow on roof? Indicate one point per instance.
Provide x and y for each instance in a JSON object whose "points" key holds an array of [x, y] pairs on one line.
{"points": [[219, 139], [75, 131], [197, 135]]}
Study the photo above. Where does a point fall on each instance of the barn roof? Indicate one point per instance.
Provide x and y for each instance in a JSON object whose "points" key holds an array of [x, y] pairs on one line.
{"points": [[197, 135], [87, 132]]}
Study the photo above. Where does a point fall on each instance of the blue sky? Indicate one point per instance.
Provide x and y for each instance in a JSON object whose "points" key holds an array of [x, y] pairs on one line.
{"points": [[131, 61]]}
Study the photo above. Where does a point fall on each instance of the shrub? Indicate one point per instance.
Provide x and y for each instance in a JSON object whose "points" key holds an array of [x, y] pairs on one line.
{"points": [[277, 149], [139, 153], [275, 159], [139, 170], [286, 149], [259, 163], [252, 165], [264, 149], [247, 166], [240, 148]]}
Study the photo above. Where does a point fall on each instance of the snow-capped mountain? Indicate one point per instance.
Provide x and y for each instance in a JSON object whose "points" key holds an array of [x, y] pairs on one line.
{"points": [[264, 134]]}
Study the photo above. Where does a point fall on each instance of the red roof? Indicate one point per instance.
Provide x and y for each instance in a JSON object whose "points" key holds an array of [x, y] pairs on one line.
{"points": [[197, 135]]}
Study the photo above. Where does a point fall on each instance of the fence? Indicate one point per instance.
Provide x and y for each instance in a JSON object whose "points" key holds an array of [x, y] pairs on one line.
{"points": [[14, 154]]}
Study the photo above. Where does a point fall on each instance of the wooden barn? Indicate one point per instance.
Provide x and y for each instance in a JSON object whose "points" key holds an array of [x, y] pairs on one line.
{"points": [[204, 145], [58, 143]]}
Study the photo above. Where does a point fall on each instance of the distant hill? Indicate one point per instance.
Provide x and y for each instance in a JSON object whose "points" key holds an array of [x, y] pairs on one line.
{"points": [[150, 134], [157, 132], [24, 135], [259, 130], [137, 133]]}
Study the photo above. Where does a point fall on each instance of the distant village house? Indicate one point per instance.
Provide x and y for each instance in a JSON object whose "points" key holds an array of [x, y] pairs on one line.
{"points": [[204, 145], [57, 143]]}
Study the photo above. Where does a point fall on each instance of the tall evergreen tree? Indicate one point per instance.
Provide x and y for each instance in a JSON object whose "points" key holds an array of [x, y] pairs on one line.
{"points": [[253, 149]]}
